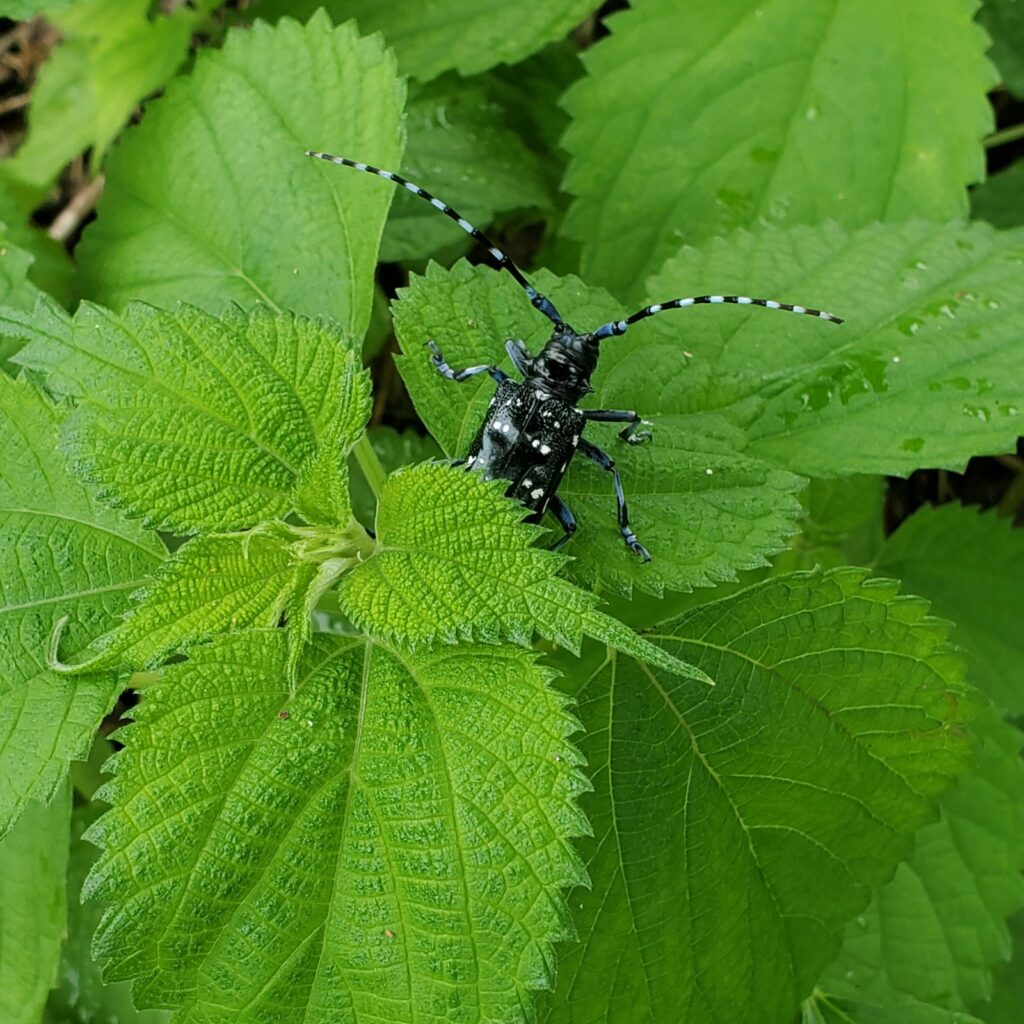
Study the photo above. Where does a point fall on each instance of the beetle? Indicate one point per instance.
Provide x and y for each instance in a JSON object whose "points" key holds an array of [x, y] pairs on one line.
{"points": [[533, 428]]}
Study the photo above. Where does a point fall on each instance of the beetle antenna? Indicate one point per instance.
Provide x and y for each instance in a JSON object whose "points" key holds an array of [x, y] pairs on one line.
{"points": [[621, 326], [541, 302]]}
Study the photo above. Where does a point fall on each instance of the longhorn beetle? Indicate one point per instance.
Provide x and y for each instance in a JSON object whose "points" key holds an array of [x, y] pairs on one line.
{"points": [[534, 428]]}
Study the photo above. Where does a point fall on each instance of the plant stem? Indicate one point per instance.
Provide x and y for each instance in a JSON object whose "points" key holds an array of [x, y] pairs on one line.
{"points": [[1011, 134], [369, 464]]}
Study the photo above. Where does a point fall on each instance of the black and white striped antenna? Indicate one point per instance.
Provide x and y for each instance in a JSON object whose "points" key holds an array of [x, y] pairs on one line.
{"points": [[541, 302]]}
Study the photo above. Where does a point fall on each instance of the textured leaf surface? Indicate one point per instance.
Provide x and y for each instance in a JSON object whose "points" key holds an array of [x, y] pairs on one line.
{"points": [[33, 908], [461, 150], [697, 501], [112, 55], [737, 829], [695, 120], [211, 199], [393, 449], [969, 565], [925, 372], [16, 290], [937, 929], [466, 35], [59, 555], [1000, 199], [454, 562], [196, 422], [388, 844]]}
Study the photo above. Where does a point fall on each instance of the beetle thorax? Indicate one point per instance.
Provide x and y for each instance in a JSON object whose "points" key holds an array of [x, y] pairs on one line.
{"points": [[564, 365]]}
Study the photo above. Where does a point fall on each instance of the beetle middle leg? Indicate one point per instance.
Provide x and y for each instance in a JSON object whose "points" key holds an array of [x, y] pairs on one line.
{"points": [[448, 373], [564, 515], [604, 460], [628, 416]]}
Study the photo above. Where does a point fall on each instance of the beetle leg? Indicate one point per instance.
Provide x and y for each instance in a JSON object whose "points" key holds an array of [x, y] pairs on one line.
{"points": [[460, 375], [564, 515], [604, 460], [521, 359], [629, 432]]}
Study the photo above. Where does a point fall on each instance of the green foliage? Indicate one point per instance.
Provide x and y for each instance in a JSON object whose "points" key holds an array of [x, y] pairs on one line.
{"points": [[60, 554], [111, 56], [327, 840], [998, 200], [33, 859], [736, 829], [210, 200], [345, 788], [461, 34], [695, 120], [1004, 21]]}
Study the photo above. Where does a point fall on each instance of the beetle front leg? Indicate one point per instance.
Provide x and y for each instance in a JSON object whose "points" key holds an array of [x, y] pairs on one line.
{"points": [[604, 460], [439, 364], [628, 416], [564, 515]]}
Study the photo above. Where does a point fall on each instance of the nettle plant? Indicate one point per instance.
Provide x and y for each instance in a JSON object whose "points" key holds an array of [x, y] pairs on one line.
{"points": [[383, 756]]}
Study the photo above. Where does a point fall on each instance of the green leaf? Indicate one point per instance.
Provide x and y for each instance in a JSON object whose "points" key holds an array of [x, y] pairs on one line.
{"points": [[59, 555], [695, 120], [697, 501], [999, 199], [112, 55], [211, 200], [202, 423], [824, 1008], [1004, 21], [453, 562], [397, 832], [459, 34], [737, 829], [51, 268], [937, 929], [22, 10], [1008, 991], [80, 997], [460, 149], [393, 449], [923, 373], [969, 566], [16, 290], [33, 907]]}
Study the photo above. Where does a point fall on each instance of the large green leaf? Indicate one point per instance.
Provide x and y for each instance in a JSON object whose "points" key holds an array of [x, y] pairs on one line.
{"points": [[112, 56], [33, 908], [388, 843], [696, 119], [1008, 990], [59, 555], [211, 199], [737, 829], [825, 1008], [454, 562], [938, 928], [466, 35], [196, 422], [925, 372], [969, 565], [701, 505], [1000, 199], [1004, 21]]}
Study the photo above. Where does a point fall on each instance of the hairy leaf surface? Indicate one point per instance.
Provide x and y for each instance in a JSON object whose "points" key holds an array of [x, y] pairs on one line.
{"points": [[59, 555], [937, 929], [467, 35], [209, 205], [969, 565], [196, 422], [695, 120], [703, 507], [453, 562], [925, 372], [33, 908], [389, 843], [737, 829]]}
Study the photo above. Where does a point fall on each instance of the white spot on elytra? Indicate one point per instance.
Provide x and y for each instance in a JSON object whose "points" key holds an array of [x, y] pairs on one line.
{"points": [[545, 450], [538, 394], [526, 483], [536, 493], [535, 443], [575, 440], [557, 424], [504, 428]]}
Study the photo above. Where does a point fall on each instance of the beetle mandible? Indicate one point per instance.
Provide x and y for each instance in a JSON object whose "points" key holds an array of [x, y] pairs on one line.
{"points": [[534, 427]]}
